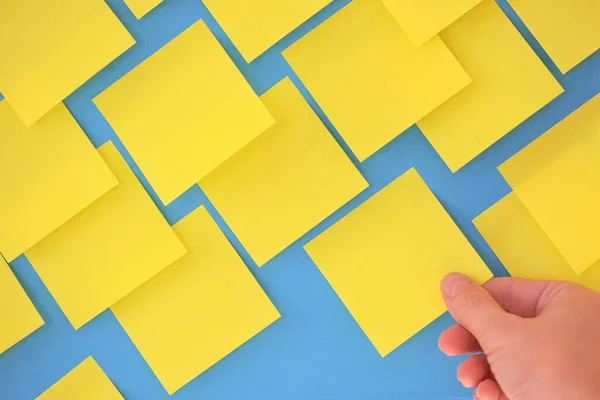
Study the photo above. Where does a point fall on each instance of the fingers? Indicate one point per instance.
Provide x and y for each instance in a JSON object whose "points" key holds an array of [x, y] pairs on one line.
{"points": [[456, 341], [475, 309], [473, 371], [522, 297], [489, 390]]}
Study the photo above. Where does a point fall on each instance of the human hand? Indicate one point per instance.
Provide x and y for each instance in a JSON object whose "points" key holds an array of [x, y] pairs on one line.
{"points": [[538, 339]]}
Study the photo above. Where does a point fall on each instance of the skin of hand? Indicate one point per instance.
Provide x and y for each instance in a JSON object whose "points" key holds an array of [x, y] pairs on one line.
{"points": [[528, 340]]}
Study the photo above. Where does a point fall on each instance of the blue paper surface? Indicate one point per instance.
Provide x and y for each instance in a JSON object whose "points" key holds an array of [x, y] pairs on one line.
{"points": [[316, 350]]}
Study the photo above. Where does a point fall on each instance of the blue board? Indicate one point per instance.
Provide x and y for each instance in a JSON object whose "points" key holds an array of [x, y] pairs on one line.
{"points": [[316, 350]]}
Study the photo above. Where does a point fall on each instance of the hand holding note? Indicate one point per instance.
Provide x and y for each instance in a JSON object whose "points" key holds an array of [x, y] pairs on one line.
{"points": [[538, 338]]}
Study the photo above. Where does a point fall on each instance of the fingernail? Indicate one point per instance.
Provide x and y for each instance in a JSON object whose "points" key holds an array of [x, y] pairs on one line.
{"points": [[477, 393], [453, 284]]}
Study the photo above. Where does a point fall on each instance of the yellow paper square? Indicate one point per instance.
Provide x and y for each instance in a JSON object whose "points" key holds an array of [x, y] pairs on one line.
{"points": [[85, 382], [49, 49], [423, 19], [198, 310], [51, 172], [557, 176], [183, 111], [510, 84], [255, 26], [385, 260], [368, 77], [567, 29], [108, 249], [18, 317], [139, 8], [523, 247], [286, 181]]}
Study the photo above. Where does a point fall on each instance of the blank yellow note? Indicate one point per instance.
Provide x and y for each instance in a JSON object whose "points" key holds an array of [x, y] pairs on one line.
{"points": [[369, 78], [198, 310], [183, 111], [567, 29], [139, 8], [49, 49], [108, 249], [50, 172], [509, 84], [85, 382], [18, 317], [524, 248], [557, 177], [254, 26], [286, 181], [385, 260], [423, 19]]}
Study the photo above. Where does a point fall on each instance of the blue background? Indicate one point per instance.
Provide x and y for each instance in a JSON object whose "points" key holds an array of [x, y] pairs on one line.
{"points": [[316, 350]]}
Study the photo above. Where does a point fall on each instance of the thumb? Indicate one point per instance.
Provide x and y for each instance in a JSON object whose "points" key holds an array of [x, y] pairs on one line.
{"points": [[474, 308]]}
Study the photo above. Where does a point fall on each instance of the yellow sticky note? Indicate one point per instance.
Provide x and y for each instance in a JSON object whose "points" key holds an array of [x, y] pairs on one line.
{"points": [[557, 178], [139, 8], [385, 260], [510, 84], [369, 78], [51, 172], [107, 250], [85, 382], [423, 19], [183, 111], [523, 247], [198, 310], [254, 26], [47, 50], [567, 29], [286, 181], [18, 317]]}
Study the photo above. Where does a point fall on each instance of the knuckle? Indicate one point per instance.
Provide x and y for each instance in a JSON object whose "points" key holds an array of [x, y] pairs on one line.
{"points": [[556, 290], [469, 301]]}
